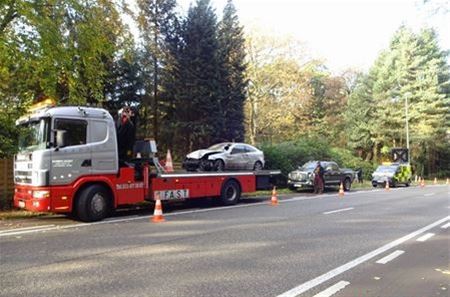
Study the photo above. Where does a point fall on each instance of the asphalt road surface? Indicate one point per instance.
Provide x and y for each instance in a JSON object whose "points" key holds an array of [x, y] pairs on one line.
{"points": [[368, 243]]}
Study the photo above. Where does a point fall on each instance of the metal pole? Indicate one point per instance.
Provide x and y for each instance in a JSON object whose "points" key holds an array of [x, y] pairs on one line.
{"points": [[407, 127]]}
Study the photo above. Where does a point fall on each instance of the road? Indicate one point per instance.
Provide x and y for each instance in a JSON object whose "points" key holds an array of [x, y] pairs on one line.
{"points": [[368, 243]]}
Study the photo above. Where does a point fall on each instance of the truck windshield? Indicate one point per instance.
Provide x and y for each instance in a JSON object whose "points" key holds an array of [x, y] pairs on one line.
{"points": [[310, 165], [33, 135]]}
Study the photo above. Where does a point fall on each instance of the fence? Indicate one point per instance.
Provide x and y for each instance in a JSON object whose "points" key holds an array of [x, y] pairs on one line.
{"points": [[6, 183]]}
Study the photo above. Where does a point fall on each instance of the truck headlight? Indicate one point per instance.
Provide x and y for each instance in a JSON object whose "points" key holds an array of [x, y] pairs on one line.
{"points": [[41, 194]]}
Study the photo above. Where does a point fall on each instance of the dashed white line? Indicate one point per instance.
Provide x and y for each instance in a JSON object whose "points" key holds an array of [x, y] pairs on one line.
{"points": [[25, 228], [390, 257], [425, 237], [349, 265], [338, 210], [333, 289], [429, 194], [445, 226]]}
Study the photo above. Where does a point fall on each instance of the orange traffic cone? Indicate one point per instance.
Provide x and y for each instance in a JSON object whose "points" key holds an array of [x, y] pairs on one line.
{"points": [[435, 181], [341, 190], [158, 214], [387, 185], [274, 199], [169, 164]]}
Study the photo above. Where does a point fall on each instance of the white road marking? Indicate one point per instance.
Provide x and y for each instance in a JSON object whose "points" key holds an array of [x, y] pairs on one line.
{"points": [[425, 237], [333, 289], [445, 226], [338, 210], [390, 257], [30, 231], [347, 266], [24, 228], [429, 194]]}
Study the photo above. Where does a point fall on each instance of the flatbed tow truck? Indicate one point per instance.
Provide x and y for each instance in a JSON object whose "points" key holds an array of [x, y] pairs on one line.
{"points": [[68, 163]]}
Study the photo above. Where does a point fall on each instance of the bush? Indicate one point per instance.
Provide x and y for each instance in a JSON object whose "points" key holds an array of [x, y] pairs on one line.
{"points": [[288, 156], [346, 159]]}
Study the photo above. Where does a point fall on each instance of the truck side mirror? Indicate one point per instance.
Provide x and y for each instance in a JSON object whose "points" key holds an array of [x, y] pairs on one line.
{"points": [[61, 138]]}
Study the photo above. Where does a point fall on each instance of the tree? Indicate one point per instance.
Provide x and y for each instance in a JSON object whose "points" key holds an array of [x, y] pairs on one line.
{"points": [[277, 86], [61, 49], [234, 83], [199, 111], [156, 19], [413, 69]]}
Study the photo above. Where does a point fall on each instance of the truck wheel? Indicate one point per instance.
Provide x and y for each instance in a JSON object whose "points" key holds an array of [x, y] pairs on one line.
{"points": [[93, 203], [219, 165], [230, 193], [347, 184]]}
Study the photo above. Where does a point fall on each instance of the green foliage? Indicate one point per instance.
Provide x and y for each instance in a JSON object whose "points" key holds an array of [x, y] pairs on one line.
{"points": [[415, 70], [288, 156], [199, 112], [63, 49], [233, 81], [156, 20], [346, 158]]}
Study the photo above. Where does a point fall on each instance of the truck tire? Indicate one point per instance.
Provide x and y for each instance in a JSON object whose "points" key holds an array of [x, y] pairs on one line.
{"points": [[93, 203], [347, 184], [230, 193]]}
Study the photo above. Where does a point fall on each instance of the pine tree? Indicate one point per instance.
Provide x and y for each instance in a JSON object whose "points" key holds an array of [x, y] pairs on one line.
{"points": [[156, 18], [234, 83], [198, 101], [412, 74]]}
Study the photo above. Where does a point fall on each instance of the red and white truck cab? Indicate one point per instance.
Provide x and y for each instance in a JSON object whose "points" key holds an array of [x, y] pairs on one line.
{"points": [[68, 163]]}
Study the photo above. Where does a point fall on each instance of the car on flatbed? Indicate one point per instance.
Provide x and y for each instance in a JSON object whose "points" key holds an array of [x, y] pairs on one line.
{"points": [[225, 156], [303, 177]]}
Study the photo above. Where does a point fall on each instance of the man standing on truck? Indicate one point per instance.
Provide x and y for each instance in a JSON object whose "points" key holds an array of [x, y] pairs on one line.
{"points": [[318, 179], [126, 133]]}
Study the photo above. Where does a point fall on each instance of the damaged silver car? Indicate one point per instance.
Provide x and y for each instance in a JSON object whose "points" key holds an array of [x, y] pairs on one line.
{"points": [[225, 156]]}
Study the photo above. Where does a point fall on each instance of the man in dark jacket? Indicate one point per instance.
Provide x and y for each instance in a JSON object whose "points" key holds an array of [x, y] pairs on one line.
{"points": [[126, 134], [319, 179]]}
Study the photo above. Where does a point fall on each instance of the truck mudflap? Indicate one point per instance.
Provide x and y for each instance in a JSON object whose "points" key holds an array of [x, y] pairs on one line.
{"points": [[266, 179]]}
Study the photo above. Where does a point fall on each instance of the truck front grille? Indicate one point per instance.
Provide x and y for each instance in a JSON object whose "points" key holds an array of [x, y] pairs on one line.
{"points": [[23, 177]]}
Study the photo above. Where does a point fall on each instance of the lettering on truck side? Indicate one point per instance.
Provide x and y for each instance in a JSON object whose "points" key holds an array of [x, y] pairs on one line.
{"points": [[130, 186], [172, 194]]}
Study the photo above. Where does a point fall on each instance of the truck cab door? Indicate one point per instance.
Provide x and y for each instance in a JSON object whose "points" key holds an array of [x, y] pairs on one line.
{"points": [[102, 143], [71, 157]]}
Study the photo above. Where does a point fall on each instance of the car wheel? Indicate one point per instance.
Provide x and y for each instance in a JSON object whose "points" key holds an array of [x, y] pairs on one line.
{"points": [[219, 165], [204, 165], [258, 166], [230, 193], [347, 184], [408, 183]]}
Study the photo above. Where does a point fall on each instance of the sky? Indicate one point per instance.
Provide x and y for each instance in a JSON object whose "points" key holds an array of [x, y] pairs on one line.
{"points": [[343, 33]]}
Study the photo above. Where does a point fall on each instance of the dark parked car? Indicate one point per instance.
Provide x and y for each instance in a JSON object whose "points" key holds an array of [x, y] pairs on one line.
{"points": [[303, 177]]}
